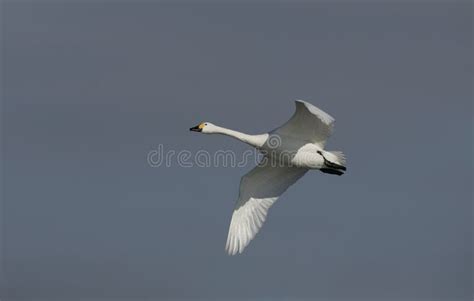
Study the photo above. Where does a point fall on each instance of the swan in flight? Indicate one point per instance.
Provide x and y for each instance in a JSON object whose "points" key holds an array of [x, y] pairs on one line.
{"points": [[288, 153]]}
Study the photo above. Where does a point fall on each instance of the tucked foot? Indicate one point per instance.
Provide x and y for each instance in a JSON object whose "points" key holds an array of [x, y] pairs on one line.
{"points": [[330, 164], [332, 171], [333, 165]]}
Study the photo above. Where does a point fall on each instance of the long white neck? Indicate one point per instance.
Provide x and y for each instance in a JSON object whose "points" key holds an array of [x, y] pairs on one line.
{"points": [[253, 140]]}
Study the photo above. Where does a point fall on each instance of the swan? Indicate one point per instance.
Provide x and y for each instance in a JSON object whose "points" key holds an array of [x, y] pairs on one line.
{"points": [[289, 151]]}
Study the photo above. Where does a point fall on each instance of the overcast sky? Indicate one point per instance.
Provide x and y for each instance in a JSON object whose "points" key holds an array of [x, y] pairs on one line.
{"points": [[91, 87]]}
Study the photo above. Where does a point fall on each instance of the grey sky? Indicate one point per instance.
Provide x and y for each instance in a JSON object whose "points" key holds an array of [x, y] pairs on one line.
{"points": [[89, 88]]}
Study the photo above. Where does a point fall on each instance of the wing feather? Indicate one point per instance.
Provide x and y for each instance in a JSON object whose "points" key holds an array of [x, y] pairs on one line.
{"points": [[308, 123], [259, 189]]}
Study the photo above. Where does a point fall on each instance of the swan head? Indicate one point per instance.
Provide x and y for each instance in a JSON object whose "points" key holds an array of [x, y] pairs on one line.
{"points": [[204, 127]]}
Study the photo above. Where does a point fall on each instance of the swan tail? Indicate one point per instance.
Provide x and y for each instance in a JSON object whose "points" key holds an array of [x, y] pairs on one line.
{"points": [[338, 158], [334, 160]]}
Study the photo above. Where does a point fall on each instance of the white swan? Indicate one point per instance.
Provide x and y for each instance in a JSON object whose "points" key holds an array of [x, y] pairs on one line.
{"points": [[289, 152]]}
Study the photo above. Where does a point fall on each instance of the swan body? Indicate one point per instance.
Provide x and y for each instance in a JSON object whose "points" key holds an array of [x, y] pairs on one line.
{"points": [[289, 152]]}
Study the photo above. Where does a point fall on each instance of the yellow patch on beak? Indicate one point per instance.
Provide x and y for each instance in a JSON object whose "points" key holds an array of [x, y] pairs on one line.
{"points": [[201, 126]]}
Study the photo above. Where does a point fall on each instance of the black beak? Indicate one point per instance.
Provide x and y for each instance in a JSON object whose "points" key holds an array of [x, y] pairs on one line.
{"points": [[195, 129]]}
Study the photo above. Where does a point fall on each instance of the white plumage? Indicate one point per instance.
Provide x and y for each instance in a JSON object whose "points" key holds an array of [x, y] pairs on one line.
{"points": [[290, 151]]}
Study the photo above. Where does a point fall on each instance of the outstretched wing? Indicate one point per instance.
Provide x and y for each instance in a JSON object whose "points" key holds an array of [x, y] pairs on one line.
{"points": [[308, 123], [259, 189]]}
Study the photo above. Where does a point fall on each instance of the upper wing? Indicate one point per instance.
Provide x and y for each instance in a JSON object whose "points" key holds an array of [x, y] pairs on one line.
{"points": [[308, 123], [259, 189]]}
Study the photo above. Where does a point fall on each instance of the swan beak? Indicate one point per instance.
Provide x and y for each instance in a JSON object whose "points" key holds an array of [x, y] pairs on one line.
{"points": [[197, 128]]}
